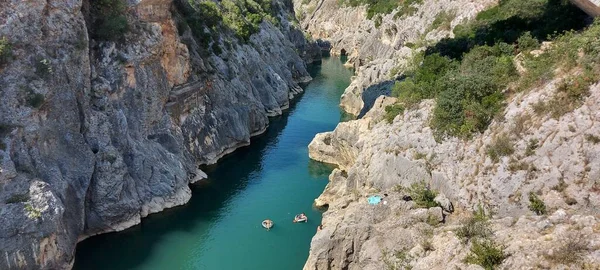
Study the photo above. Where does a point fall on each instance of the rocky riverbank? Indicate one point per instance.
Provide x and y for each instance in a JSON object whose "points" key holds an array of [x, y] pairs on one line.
{"points": [[378, 51], [523, 194], [95, 135], [377, 158]]}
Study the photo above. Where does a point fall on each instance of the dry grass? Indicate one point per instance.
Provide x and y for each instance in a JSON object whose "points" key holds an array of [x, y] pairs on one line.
{"points": [[571, 252]]}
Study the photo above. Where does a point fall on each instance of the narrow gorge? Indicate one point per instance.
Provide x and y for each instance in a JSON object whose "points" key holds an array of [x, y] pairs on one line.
{"points": [[473, 126]]}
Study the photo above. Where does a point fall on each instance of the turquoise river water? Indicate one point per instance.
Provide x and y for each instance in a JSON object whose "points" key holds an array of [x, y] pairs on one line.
{"points": [[220, 227]]}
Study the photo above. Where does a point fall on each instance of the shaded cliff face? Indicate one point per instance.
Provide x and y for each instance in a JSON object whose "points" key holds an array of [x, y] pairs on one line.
{"points": [[379, 47], [96, 135]]}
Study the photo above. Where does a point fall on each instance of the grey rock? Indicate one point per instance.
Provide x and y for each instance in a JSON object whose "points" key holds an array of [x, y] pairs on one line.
{"points": [[122, 127], [444, 203]]}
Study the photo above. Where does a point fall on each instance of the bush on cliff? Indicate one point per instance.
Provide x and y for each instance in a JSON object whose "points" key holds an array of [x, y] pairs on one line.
{"points": [[422, 195], [470, 74], [5, 51], [111, 23], [486, 253], [242, 17], [375, 7]]}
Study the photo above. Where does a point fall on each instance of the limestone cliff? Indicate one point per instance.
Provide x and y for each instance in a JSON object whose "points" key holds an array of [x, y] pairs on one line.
{"points": [[95, 135], [375, 157], [537, 202], [376, 50]]}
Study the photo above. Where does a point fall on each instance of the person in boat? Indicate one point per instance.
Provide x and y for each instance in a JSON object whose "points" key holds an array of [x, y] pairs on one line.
{"points": [[267, 223], [300, 218]]}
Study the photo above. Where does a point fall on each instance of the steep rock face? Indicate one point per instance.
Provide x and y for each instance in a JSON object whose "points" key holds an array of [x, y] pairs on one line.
{"points": [[374, 51], [376, 157], [96, 135]]}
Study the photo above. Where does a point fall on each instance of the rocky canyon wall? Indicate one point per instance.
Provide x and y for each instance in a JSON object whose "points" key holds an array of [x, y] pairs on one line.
{"points": [[549, 161], [95, 135]]}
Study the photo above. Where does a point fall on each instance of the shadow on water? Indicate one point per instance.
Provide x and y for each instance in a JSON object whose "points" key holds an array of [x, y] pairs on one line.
{"points": [[208, 198]]}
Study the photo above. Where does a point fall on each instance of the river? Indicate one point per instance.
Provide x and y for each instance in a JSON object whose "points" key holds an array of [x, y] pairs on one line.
{"points": [[220, 227]]}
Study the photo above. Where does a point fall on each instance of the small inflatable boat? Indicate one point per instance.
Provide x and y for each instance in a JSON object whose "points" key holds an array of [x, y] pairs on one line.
{"points": [[267, 224], [300, 218]]}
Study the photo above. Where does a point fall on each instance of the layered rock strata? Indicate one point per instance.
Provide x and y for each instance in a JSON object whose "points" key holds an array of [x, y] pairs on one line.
{"points": [[96, 135]]}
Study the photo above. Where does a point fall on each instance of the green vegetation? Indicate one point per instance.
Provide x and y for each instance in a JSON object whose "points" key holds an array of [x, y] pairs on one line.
{"points": [[442, 21], [5, 51], [43, 68], [374, 7], [527, 43], [111, 22], [392, 111], [486, 253], [476, 227], [536, 204], [18, 198], [32, 212], [35, 100], [569, 95], [422, 195], [469, 75], [500, 147], [468, 92], [243, 17], [508, 21]]}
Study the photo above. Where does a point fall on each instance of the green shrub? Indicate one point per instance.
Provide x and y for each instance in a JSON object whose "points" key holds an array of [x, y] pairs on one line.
{"points": [[111, 23], [43, 67], [424, 81], [476, 227], [486, 253], [527, 42], [443, 21], [468, 74], [569, 95], [112, 28], [422, 195], [34, 100], [32, 212], [536, 204], [407, 7], [18, 198], [470, 95], [508, 21], [5, 51], [500, 147], [392, 111]]}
